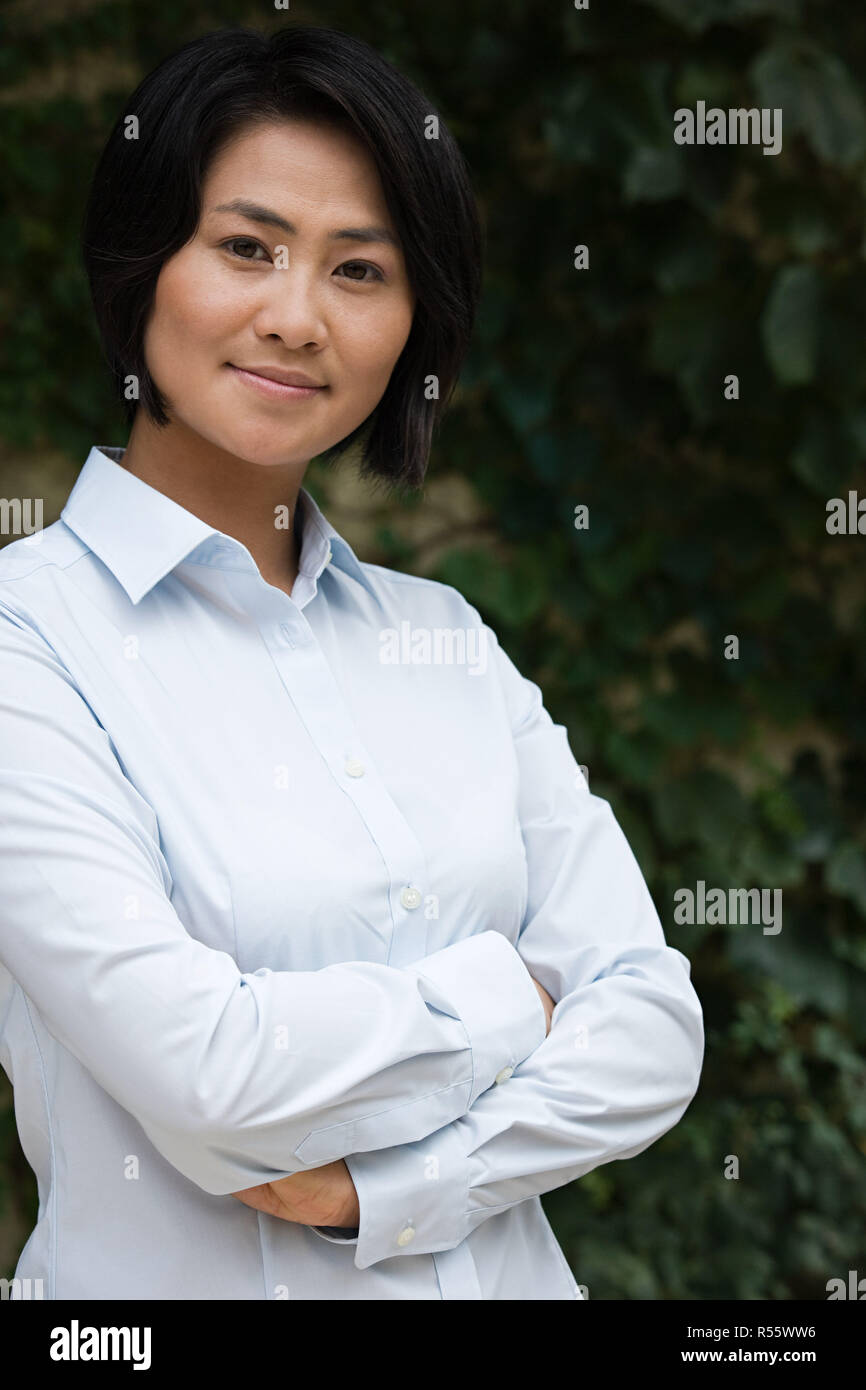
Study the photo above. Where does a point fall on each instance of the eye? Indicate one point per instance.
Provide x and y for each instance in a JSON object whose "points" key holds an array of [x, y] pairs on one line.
{"points": [[364, 265], [251, 246], [242, 241]]}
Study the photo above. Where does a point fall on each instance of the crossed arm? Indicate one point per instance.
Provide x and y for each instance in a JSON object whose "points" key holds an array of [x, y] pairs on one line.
{"points": [[394, 1069], [182, 1039], [327, 1196], [620, 1061]]}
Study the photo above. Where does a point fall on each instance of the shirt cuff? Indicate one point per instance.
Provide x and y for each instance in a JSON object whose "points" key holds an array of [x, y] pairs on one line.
{"points": [[413, 1199], [484, 979]]}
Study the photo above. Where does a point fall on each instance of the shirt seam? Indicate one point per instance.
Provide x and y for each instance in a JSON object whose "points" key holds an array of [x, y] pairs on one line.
{"points": [[260, 1214], [389, 1110], [49, 1125], [48, 561], [401, 577], [550, 1235]]}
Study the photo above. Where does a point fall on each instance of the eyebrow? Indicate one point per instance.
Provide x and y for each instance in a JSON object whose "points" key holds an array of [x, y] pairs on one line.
{"points": [[256, 213]]}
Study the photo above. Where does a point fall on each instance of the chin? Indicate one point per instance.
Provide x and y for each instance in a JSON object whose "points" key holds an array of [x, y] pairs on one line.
{"points": [[267, 450], [275, 457]]}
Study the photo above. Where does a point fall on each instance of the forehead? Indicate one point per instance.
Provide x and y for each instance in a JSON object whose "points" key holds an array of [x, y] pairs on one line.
{"points": [[302, 164]]}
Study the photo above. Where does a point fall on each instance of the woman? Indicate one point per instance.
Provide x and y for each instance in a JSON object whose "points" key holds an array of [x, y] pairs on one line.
{"points": [[295, 862]]}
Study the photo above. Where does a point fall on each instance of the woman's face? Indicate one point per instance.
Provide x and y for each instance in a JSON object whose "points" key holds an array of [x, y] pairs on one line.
{"points": [[337, 308]]}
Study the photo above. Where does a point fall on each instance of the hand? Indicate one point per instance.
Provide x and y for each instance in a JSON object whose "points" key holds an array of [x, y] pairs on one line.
{"points": [[323, 1196], [546, 1000]]}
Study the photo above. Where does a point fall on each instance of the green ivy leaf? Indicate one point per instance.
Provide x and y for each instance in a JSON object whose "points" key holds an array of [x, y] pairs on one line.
{"points": [[845, 873], [817, 94], [790, 324]]}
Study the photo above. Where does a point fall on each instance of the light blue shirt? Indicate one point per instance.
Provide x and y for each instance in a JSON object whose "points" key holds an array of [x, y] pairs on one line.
{"points": [[275, 874]]}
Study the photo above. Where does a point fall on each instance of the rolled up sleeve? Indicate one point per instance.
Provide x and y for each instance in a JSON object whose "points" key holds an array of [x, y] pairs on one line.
{"points": [[171, 1028], [624, 1055]]}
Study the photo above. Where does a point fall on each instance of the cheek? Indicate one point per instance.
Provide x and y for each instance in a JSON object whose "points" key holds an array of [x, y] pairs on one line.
{"points": [[376, 346], [188, 316]]}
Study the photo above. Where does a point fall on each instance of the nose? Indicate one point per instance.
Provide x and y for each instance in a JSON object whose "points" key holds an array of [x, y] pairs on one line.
{"points": [[291, 309]]}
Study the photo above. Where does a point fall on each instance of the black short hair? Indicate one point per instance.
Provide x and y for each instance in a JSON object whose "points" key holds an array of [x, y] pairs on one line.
{"points": [[144, 204]]}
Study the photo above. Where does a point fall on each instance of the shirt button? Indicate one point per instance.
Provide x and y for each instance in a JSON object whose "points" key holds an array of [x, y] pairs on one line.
{"points": [[410, 897], [503, 1075], [329, 557], [407, 1234], [355, 767]]}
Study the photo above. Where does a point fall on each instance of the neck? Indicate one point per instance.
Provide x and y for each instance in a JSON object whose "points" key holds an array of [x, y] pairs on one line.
{"points": [[231, 494]]}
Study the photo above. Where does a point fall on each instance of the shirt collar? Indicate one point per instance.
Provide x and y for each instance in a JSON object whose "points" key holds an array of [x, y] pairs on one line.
{"points": [[141, 535]]}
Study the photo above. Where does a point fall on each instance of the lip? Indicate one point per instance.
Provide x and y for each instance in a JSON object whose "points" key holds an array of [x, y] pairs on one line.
{"points": [[278, 385]]}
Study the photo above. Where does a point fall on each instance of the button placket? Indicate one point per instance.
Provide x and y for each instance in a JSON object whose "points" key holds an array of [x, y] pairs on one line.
{"points": [[315, 692]]}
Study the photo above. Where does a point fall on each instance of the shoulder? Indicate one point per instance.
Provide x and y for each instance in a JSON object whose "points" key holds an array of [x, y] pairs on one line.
{"points": [[26, 562], [411, 593], [33, 582]]}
